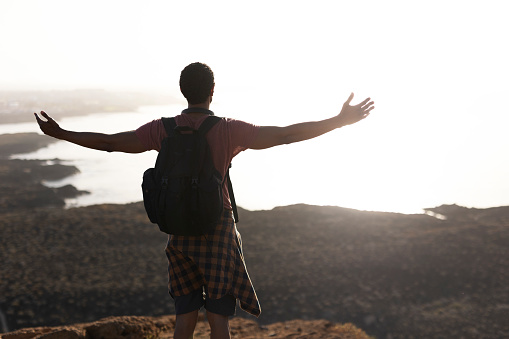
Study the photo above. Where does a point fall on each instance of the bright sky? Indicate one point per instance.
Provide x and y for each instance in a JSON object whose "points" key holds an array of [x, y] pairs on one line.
{"points": [[437, 70]]}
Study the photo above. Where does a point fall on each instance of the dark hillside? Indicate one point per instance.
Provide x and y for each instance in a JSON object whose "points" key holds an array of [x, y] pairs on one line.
{"points": [[390, 274]]}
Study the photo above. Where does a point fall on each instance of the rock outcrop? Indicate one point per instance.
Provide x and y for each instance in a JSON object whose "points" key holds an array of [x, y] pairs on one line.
{"points": [[162, 327]]}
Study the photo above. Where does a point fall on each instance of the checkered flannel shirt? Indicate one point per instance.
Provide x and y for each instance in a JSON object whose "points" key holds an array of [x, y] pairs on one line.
{"points": [[215, 261]]}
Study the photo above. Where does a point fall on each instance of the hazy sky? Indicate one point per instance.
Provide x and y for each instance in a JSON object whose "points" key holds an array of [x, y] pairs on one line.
{"points": [[437, 70]]}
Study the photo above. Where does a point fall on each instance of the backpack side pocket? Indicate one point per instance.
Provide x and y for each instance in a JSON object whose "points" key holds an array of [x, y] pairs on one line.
{"points": [[150, 194]]}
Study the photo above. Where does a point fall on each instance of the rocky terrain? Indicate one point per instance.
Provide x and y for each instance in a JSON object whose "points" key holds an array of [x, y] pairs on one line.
{"points": [[163, 327], [20, 180], [392, 275]]}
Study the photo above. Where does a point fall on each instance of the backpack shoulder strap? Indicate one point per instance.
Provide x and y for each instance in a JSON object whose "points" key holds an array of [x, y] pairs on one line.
{"points": [[203, 129], [169, 125], [209, 122], [232, 196]]}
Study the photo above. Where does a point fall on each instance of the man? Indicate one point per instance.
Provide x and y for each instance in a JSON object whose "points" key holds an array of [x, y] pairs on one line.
{"points": [[209, 272]]}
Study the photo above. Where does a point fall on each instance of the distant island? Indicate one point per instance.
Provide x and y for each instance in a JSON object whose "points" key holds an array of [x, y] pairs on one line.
{"points": [[18, 106]]}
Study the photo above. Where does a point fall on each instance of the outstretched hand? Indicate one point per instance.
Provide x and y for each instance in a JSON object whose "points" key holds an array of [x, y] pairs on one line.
{"points": [[352, 114], [48, 127]]}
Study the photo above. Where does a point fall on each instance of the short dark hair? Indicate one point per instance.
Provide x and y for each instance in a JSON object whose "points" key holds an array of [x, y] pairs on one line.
{"points": [[196, 82]]}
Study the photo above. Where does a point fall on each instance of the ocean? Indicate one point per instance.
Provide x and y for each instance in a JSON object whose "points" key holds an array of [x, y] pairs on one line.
{"points": [[298, 173]]}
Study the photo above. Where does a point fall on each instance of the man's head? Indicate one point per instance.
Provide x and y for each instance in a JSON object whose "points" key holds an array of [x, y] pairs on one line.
{"points": [[196, 83]]}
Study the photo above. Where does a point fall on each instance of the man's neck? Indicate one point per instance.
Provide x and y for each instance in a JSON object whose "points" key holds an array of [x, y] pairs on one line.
{"points": [[205, 105], [199, 112]]}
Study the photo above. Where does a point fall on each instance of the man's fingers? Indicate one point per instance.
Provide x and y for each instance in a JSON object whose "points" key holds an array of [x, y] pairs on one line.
{"points": [[44, 114], [368, 105], [364, 102], [50, 119], [349, 100], [40, 121], [37, 118]]}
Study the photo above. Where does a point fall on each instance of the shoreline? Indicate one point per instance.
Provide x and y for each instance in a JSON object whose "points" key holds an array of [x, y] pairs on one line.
{"points": [[13, 118], [53, 170], [19, 106], [21, 143], [21, 181]]}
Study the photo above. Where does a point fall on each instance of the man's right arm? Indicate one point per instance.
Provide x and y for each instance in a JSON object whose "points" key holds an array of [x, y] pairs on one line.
{"points": [[269, 136], [126, 142]]}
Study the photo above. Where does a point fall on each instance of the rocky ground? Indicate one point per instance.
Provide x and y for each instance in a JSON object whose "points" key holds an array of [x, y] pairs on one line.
{"points": [[163, 327], [20, 180], [392, 275]]}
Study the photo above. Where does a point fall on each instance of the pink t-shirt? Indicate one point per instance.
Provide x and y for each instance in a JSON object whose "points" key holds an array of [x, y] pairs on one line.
{"points": [[226, 139]]}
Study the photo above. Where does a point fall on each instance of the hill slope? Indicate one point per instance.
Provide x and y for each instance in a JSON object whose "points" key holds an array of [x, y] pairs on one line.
{"points": [[390, 274]]}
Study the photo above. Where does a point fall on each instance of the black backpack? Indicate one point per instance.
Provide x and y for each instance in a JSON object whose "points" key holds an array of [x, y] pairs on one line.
{"points": [[183, 194]]}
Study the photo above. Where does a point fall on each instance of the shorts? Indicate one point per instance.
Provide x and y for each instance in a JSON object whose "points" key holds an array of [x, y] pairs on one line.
{"points": [[198, 298]]}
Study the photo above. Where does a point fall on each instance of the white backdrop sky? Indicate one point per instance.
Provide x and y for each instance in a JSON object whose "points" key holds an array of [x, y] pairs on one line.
{"points": [[437, 70]]}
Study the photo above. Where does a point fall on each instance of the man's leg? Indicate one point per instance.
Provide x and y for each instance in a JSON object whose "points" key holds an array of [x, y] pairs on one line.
{"points": [[219, 326], [185, 325], [186, 310], [218, 312]]}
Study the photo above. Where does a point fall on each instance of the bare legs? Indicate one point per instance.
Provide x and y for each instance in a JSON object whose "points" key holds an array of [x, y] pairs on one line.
{"points": [[186, 323], [219, 326]]}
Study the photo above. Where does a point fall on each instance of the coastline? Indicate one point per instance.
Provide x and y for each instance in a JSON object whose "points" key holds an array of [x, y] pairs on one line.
{"points": [[19, 106], [17, 143], [21, 180]]}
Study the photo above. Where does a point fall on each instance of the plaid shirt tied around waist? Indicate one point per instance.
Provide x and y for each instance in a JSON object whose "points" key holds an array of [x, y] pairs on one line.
{"points": [[215, 261]]}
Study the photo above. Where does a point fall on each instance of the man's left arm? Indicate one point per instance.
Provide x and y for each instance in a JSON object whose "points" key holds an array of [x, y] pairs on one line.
{"points": [[269, 136]]}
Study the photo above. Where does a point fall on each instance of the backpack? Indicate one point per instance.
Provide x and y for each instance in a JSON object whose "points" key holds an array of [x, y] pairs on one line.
{"points": [[183, 193]]}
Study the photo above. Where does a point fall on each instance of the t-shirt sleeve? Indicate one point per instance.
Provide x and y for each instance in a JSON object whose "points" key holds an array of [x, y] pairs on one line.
{"points": [[152, 134], [242, 134]]}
